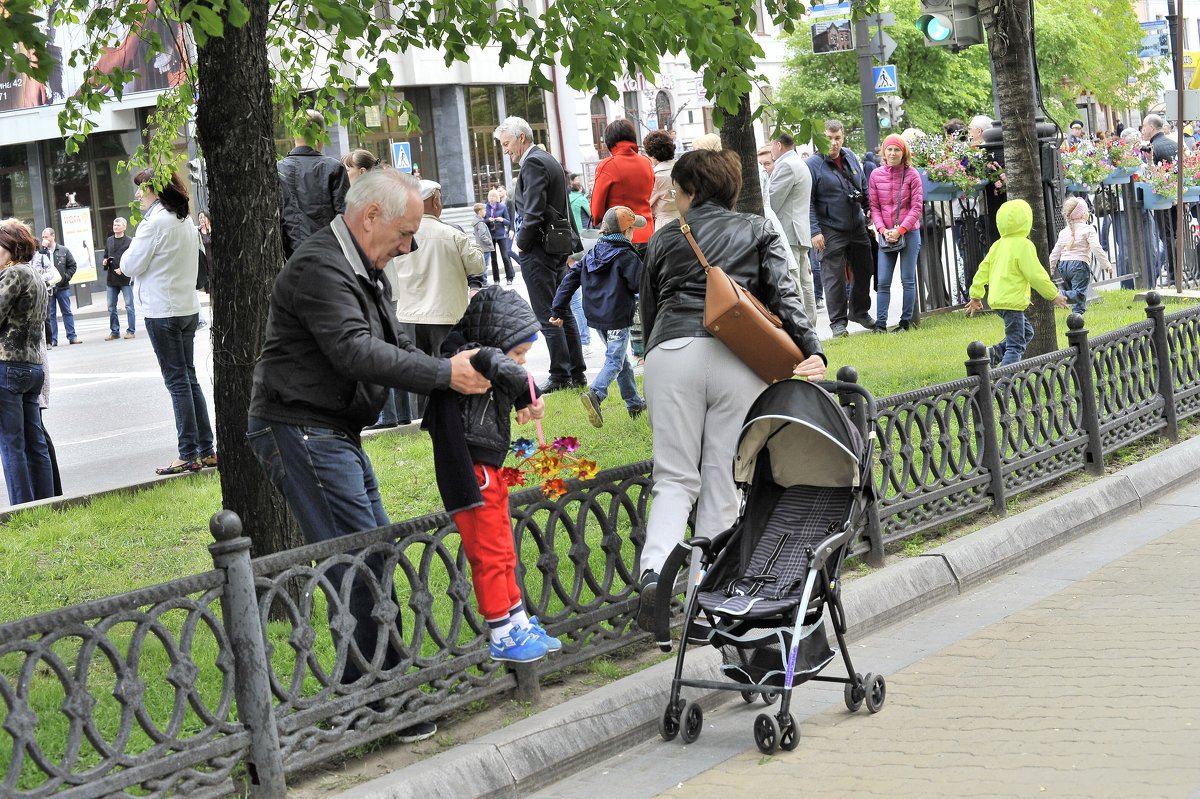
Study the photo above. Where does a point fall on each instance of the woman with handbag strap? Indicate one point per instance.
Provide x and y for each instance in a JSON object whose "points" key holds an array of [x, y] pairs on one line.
{"points": [[896, 197], [697, 390]]}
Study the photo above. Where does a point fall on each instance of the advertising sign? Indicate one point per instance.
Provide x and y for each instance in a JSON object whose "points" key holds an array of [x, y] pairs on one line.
{"points": [[833, 36], [77, 237]]}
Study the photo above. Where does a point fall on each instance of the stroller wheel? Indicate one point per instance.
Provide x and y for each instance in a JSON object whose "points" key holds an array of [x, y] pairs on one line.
{"points": [[668, 725], [789, 739], [748, 697], [766, 733], [855, 691], [769, 699], [876, 692], [692, 722]]}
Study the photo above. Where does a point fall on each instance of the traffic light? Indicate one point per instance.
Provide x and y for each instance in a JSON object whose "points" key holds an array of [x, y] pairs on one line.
{"points": [[950, 23], [196, 171], [891, 110]]}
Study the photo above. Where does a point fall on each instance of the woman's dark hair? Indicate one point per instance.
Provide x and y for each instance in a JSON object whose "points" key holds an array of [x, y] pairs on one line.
{"points": [[954, 128], [658, 145], [17, 238], [360, 159], [173, 196], [709, 175], [619, 130]]}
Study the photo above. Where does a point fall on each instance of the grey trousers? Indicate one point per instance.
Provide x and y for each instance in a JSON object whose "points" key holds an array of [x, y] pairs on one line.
{"points": [[698, 393], [804, 280]]}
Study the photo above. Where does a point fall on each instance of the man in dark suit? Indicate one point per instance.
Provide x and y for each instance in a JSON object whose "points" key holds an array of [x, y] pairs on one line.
{"points": [[541, 197]]}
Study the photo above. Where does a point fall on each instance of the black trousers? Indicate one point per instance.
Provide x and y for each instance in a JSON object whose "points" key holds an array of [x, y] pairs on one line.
{"points": [[846, 251], [543, 273]]}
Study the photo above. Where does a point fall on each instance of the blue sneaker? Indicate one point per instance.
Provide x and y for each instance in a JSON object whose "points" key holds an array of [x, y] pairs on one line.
{"points": [[519, 646], [537, 631]]}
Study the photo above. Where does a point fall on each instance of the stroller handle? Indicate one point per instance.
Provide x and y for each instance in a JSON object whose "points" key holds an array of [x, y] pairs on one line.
{"points": [[840, 386]]}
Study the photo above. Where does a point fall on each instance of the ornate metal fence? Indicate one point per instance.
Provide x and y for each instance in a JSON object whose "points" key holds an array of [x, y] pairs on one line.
{"points": [[240, 675]]}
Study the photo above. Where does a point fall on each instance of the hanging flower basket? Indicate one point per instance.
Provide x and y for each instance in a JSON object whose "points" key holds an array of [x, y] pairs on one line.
{"points": [[1191, 194], [1119, 175], [934, 191], [1078, 188], [1152, 200]]}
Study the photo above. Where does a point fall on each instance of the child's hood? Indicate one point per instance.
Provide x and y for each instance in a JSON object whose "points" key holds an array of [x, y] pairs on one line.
{"points": [[608, 252], [1014, 219], [498, 318]]}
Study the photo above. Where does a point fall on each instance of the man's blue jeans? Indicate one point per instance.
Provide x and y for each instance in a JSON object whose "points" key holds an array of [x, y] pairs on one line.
{"points": [[1077, 276], [23, 450], [63, 298], [585, 332], [908, 278], [1018, 332], [331, 490], [114, 321], [617, 367], [173, 339]]}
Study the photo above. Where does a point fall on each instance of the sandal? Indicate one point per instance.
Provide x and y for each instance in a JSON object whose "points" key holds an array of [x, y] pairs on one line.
{"points": [[182, 467], [208, 461]]}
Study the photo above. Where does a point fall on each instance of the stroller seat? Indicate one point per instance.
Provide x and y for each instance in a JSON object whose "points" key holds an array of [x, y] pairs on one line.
{"points": [[773, 580]]}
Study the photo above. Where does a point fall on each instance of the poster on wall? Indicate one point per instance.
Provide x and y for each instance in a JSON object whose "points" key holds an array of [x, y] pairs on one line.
{"points": [[77, 237], [131, 51]]}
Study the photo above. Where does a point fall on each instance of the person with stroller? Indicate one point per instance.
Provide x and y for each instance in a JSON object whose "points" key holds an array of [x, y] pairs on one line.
{"points": [[697, 390], [471, 437], [1007, 273], [1077, 243]]}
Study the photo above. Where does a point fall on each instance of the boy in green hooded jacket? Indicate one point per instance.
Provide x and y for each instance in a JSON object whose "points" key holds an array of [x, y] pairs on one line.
{"points": [[1008, 272]]}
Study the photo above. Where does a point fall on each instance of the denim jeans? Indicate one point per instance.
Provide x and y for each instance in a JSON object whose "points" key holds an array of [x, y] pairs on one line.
{"points": [[501, 253], [1018, 332], [63, 298], [173, 339], [908, 278], [331, 490], [1077, 276], [617, 367], [585, 332], [114, 321], [23, 450]]}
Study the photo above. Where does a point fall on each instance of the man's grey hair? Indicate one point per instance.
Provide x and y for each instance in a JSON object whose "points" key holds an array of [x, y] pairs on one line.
{"points": [[1130, 135], [50, 232], [981, 121], [514, 126], [390, 188], [125, 221], [834, 126]]}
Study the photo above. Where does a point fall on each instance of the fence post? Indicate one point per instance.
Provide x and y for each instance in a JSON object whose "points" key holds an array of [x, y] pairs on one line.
{"points": [[1077, 335], [874, 531], [979, 366], [1162, 358], [252, 686]]}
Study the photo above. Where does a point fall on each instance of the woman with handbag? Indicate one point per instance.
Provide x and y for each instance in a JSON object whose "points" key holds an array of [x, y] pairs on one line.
{"points": [[896, 197], [698, 391]]}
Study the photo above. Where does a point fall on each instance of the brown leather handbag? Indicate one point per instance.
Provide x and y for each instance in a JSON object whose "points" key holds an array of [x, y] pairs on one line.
{"points": [[743, 324]]}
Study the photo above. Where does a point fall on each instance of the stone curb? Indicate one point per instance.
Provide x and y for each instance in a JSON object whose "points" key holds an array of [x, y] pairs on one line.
{"points": [[537, 751]]}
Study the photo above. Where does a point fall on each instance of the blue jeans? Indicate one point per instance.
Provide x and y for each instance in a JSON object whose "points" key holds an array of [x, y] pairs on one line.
{"points": [[173, 339], [23, 449], [1018, 332], [114, 322], [331, 490], [814, 261], [908, 278], [1077, 276], [63, 298], [617, 367], [585, 332]]}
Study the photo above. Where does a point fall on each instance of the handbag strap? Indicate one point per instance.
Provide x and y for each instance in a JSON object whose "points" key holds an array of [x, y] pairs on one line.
{"points": [[900, 193], [687, 232]]}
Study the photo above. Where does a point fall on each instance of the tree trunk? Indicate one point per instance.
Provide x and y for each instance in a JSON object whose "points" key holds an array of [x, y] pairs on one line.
{"points": [[737, 134], [236, 133], [1011, 47]]}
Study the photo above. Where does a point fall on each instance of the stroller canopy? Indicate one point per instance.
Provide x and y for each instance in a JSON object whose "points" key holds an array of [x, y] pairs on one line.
{"points": [[807, 434]]}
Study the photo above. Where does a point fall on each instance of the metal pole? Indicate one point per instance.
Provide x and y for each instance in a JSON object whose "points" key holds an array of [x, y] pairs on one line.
{"points": [[1175, 29], [862, 33]]}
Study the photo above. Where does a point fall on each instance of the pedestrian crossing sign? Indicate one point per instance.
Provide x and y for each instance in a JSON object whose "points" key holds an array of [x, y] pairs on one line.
{"points": [[402, 156], [885, 79]]}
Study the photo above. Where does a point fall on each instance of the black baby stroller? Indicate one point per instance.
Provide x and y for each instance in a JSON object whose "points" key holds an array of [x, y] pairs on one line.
{"points": [[806, 478]]}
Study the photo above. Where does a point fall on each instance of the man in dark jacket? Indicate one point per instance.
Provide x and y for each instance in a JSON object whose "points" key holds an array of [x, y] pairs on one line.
{"points": [[837, 221], [541, 198], [60, 293], [119, 284], [314, 186], [1163, 149], [332, 350], [610, 274]]}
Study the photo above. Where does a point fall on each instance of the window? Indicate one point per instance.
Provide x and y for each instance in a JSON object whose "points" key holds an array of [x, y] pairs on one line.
{"points": [[16, 189], [599, 123], [631, 110], [662, 110], [91, 176], [386, 125], [487, 160], [760, 18]]}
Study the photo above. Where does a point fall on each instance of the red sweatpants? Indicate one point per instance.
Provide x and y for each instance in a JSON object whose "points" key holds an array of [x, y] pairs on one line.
{"points": [[487, 537]]}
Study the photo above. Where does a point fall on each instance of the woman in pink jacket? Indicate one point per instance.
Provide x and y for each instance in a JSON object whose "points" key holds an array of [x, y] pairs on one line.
{"points": [[895, 193]]}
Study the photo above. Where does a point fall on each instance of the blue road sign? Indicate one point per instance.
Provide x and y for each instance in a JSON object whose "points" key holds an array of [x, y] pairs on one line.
{"points": [[402, 156], [885, 79]]}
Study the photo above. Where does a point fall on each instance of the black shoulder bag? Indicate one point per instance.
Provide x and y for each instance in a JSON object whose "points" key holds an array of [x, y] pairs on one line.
{"points": [[898, 244]]}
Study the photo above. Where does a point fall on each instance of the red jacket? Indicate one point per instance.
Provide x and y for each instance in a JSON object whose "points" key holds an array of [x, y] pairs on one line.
{"points": [[625, 178]]}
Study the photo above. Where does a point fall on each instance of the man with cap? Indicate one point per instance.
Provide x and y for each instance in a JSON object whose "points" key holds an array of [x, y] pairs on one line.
{"points": [[610, 274], [433, 282], [1076, 136]]}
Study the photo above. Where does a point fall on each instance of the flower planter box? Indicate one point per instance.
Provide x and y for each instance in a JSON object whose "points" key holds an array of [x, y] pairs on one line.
{"points": [[934, 191], [1078, 188], [1119, 175], [1151, 200], [1191, 194]]}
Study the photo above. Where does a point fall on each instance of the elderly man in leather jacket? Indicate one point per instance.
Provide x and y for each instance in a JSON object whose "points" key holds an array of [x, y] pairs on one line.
{"points": [[60, 293], [314, 186]]}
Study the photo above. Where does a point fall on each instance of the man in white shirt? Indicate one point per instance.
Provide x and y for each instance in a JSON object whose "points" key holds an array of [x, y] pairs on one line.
{"points": [[789, 194]]}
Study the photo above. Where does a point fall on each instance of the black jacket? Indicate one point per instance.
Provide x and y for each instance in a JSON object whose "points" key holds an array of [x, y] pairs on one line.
{"points": [[64, 262], [332, 346], [541, 196], [114, 248], [750, 251], [477, 428], [610, 275], [1163, 148], [314, 188], [832, 205]]}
